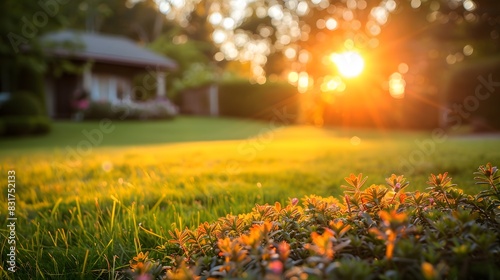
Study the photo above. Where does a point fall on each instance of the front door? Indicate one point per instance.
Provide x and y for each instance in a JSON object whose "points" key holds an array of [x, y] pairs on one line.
{"points": [[65, 87]]}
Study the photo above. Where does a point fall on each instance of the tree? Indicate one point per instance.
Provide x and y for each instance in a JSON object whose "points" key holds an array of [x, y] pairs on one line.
{"points": [[21, 24], [409, 46]]}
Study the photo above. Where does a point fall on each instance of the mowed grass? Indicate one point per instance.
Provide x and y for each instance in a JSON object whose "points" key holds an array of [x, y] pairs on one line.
{"points": [[84, 210]]}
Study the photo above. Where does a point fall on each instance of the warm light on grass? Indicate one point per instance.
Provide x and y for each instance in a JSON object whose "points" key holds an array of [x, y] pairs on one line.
{"points": [[350, 64], [130, 187]]}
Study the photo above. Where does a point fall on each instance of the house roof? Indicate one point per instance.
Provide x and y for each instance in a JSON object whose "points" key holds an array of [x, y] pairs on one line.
{"points": [[103, 48]]}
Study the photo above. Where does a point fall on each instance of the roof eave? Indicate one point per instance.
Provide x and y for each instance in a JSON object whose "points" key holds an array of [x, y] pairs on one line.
{"points": [[171, 66]]}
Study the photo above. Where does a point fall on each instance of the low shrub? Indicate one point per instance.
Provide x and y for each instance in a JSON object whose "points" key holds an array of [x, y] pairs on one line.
{"points": [[21, 104], [375, 232], [24, 125], [19, 125], [42, 125], [2, 127], [98, 110], [22, 114], [148, 110], [160, 109]]}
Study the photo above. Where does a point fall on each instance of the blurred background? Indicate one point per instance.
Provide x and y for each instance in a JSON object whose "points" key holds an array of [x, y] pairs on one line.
{"points": [[405, 64]]}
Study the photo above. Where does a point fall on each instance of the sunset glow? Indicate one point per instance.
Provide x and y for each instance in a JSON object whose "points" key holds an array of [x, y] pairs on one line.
{"points": [[350, 64]]}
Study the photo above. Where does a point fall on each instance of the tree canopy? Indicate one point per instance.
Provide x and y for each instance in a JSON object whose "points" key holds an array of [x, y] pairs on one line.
{"points": [[292, 39]]}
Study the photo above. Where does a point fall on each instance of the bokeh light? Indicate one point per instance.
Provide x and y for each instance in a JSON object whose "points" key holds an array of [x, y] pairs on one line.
{"points": [[355, 140], [397, 85], [468, 50]]}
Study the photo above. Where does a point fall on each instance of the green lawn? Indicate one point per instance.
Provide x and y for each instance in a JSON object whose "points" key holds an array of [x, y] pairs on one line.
{"points": [[80, 200], [133, 133]]}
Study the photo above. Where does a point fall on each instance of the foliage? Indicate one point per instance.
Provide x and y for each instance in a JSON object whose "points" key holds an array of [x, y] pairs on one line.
{"points": [[18, 125], [309, 31], [380, 232], [20, 26], [22, 114], [21, 104], [99, 110], [192, 59], [31, 81], [246, 100], [185, 52], [363, 106], [474, 86], [195, 76], [25, 125], [145, 267], [147, 110], [2, 127]]}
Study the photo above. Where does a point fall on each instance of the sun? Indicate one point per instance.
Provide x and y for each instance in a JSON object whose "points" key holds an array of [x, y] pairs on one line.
{"points": [[350, 64]]}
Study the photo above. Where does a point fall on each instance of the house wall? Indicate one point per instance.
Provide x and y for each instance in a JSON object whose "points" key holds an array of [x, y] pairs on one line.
{"points": [[101, 81]]}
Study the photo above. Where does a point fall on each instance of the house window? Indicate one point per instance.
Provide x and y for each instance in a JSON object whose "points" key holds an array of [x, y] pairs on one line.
{"points": [[123, 90], [110, 88], [104, 89]]}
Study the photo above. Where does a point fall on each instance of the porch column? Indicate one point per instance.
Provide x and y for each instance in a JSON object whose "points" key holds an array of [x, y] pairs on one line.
{"points": [[160, 84], [87, 80], [49, 96], [213, 97]]}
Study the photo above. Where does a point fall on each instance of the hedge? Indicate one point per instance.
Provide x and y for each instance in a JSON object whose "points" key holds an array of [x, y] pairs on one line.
{"points": [[362, 106], [475, 88], [24, 125], [266, 102]]}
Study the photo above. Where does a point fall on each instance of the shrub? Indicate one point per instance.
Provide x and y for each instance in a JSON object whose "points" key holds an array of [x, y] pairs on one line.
{"points": [[19, 125], [42, 125], [160, 110], [21, 104], [22, 114], [2, 127], [378, 232], [99, 110], [24, 125], [154, 109]]}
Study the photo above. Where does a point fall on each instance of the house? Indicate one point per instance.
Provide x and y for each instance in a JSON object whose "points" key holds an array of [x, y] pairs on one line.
{"points": [[109, 64]]}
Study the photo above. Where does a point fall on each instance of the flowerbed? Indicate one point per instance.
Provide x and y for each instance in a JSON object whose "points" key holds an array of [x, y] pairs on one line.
{"points": [[378, 232]]}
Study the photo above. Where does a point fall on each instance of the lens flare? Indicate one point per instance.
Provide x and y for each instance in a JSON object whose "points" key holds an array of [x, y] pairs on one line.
{"points": [[350, 64]]}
